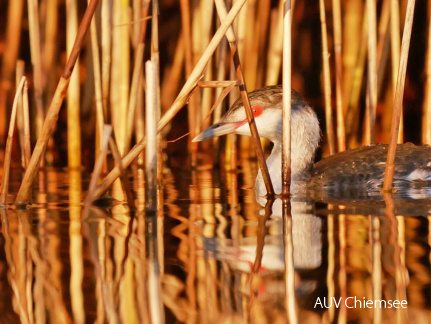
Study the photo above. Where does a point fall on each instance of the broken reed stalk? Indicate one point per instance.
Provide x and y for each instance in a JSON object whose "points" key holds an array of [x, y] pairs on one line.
{"points": [[426, 125], [395, 50], [372, 68], [180, 101], [327, 80], [73, 93], [287, 94], [221, 10], [106, 135], [136, 77], [9, 58], [9, 142], [36, 61], [54, 108], [341, 132], [151, 135], [398, 100]]}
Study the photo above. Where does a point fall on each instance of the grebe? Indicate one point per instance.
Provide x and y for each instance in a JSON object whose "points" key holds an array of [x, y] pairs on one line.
{"points": [[362, 167]]}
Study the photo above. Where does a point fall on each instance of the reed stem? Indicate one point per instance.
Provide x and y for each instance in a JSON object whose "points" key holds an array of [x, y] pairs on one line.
{"points": [[372, 68], [151, 135], [34, 29], [287, 100], [399, 93], [341, 133], [54, 108], [181, 99], [9, 58], [327, 80], [8, 152], [20, 69], [136, 78], [395, 50], [73, 93], [426, 126], [221, 10]]}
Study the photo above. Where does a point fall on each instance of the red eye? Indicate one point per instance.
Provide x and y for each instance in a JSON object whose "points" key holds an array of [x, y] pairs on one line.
{"points": [[257, 111]]}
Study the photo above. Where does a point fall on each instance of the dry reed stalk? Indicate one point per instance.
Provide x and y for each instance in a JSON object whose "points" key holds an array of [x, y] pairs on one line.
{"points": [[20, 70], [287, 103], [275, 49], [151, 136], [73, 93], [395, 50], [107, 130], [119, 99], [352, 22], [100, 117], [180, 101], [341, 132], [207, 94], [26, 117], [9, 142], [221, 10], [250, 59], [188, 48], [54, 108], [155, 55], [382, 44], [50, 44], [262, 27], [36, 60], [356, 84], [136, 78], [140, 120], [327, 80], [426, 124], [372, 67], [9, 58], [106, 40], [398, 100]]}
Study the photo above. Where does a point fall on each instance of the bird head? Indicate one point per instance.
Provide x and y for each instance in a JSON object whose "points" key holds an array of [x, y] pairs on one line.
{"points": [[266, 105]]}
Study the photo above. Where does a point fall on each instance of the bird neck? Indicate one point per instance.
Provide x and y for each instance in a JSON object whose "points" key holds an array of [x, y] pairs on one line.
{"points": [[305, 137]]}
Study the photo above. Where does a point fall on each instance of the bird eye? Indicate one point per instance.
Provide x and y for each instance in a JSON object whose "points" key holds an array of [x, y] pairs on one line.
{"points": [[257, 110]]}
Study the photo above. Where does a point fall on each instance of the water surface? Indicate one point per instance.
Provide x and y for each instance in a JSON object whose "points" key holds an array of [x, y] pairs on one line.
{"points": [[213, 254]]}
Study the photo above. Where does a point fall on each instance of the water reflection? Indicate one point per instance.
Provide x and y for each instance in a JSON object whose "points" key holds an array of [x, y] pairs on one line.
{"points": [[211, 254]]}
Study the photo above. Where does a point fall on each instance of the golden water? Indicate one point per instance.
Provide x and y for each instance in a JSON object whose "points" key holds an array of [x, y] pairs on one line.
{"points": [[213, 255]]}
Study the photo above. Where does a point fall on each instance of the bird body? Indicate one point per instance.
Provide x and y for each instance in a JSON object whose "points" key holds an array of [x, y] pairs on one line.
{"points": [[364, 166]]}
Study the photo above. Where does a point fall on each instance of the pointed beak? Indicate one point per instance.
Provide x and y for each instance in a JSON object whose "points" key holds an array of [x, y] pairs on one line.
{"points": [[221, 128]]}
